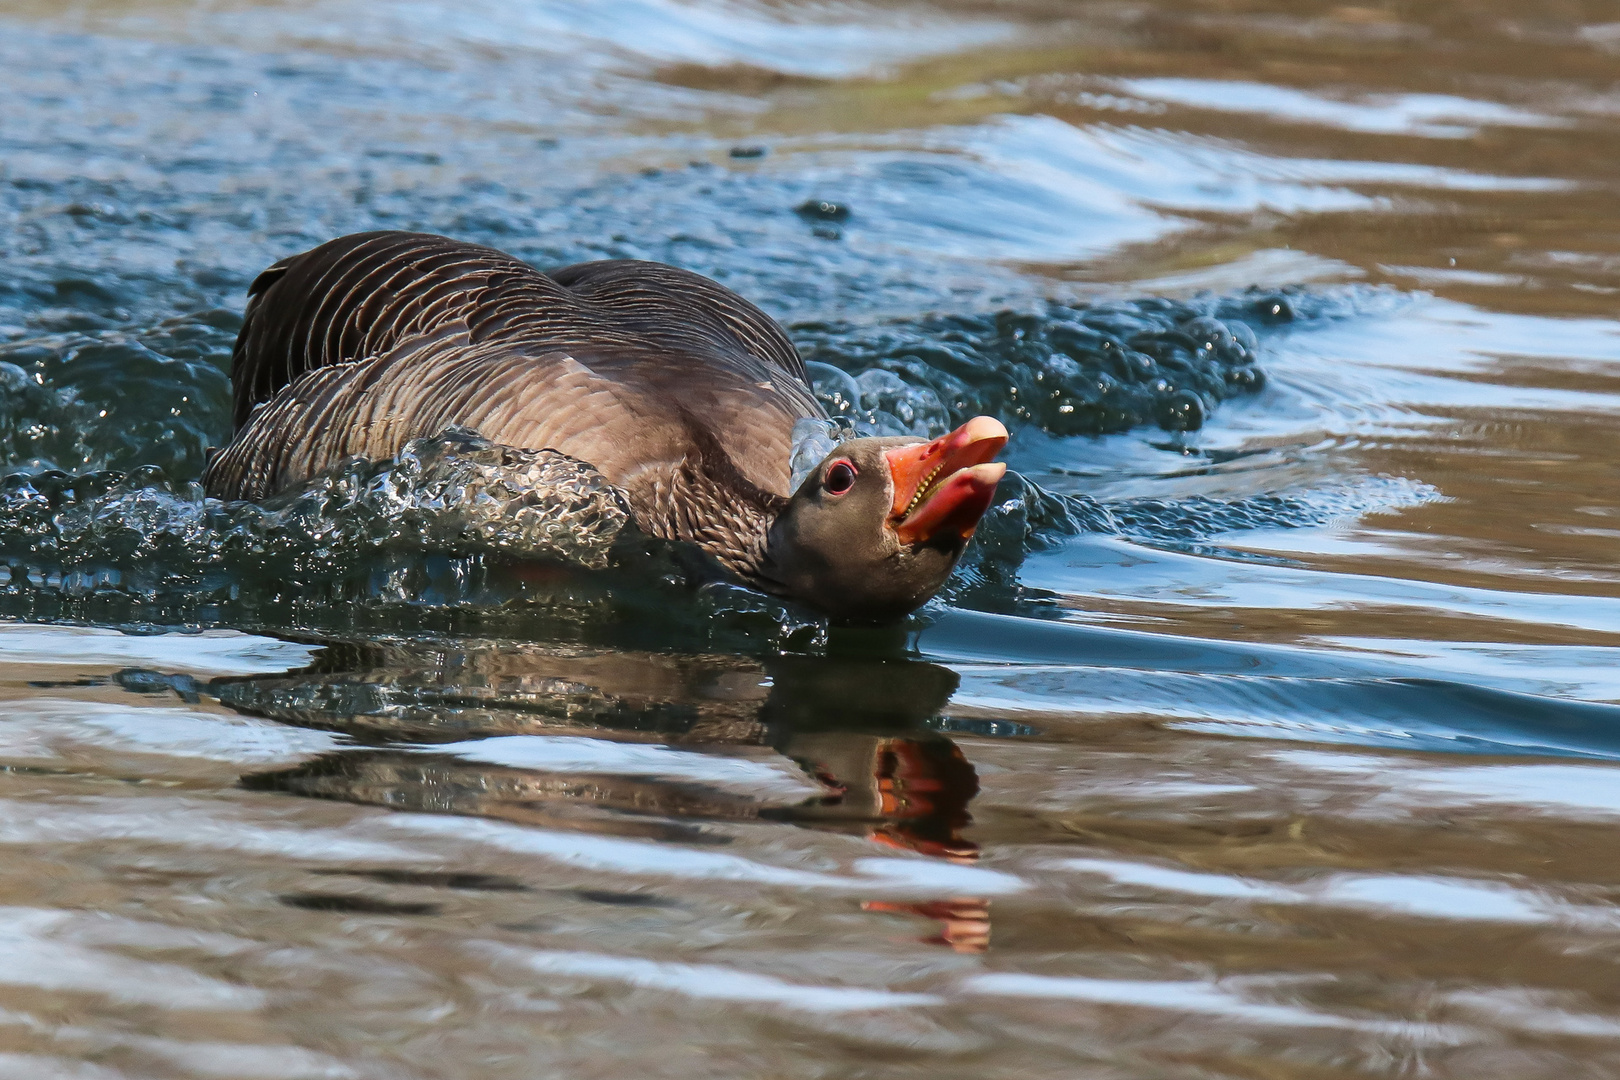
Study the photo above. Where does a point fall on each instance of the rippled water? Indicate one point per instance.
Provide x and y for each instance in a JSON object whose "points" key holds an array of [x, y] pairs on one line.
{"points": [[1271, 729]]}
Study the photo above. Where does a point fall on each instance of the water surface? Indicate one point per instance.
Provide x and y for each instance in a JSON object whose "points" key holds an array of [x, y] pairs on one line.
{"points": [[1270, 730]]}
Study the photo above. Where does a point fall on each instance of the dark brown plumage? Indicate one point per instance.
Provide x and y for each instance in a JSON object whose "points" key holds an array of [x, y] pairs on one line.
{"points": [[678, 391]]}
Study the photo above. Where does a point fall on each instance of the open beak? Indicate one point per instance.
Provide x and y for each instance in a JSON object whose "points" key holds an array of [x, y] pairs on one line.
{"points": [[944, 487]]}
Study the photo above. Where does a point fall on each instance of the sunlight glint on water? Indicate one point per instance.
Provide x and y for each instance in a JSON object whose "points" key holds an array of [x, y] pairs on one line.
{"points": [[1270, 730]]}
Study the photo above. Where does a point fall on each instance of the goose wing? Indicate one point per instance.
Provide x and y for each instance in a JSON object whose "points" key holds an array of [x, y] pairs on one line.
{"points": [[366, 294], [681, 311], [354, 297], [367, 341]]}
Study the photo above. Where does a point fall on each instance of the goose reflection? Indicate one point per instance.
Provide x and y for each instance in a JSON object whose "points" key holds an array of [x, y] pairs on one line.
{"points": [[435, 720]]}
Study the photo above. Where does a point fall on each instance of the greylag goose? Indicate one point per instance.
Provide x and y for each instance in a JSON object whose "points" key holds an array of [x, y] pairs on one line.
{"points": [[680, 393]]}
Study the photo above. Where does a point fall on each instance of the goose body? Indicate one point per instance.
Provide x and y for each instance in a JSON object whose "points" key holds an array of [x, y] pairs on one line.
{"points": [[678, 391]]}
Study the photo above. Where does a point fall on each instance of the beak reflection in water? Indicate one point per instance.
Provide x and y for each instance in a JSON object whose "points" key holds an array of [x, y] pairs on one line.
{"points": [[439, 725]]}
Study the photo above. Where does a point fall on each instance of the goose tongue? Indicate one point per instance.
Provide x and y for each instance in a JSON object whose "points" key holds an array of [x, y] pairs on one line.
{"points": [[945, 486]]}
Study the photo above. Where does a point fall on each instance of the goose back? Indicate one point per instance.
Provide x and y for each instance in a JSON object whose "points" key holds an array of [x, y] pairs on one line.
{"points": [[674, 388]]}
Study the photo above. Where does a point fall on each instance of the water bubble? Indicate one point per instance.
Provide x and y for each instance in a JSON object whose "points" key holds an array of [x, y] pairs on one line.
{"points": [[823, 210], [837, 390], [896, 407], [1273, 309], [1182, 411], [1244, 337], [1210, 335]]}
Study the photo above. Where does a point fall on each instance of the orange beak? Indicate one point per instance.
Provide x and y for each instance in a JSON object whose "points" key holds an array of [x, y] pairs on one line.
{"points": [[944, 487]]}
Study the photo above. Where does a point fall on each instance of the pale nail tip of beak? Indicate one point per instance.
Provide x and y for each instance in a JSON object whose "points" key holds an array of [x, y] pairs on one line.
{"points": [[990, 472], [984, 427]]}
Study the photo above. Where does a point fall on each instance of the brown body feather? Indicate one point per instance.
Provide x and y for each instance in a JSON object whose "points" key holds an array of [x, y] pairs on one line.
{"points": [[678, 391]]}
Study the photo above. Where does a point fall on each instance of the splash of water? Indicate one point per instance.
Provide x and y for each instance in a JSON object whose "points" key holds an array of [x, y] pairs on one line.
{"points": [[1065, 370], [99, 506], [140, 534]]}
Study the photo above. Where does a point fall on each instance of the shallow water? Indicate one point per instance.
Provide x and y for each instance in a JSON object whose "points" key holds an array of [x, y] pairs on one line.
{"points": [[1272, 728]]}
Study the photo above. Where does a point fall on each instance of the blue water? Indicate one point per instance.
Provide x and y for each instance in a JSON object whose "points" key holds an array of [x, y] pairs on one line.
{"points": [[1268, 729]]}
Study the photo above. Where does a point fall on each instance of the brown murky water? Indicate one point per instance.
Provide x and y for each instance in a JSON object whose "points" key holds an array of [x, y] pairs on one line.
{"points": [[1309, 768]]}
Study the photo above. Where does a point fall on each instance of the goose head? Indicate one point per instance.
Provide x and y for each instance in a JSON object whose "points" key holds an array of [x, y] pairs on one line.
{"points": [[877, 525]]}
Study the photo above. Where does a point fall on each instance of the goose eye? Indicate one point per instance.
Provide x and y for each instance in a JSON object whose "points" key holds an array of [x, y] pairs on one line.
{"points": [[840, 478]]}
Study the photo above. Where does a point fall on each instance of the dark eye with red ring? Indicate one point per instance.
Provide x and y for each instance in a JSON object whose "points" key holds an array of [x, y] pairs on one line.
{"points": [[840, 477]]}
